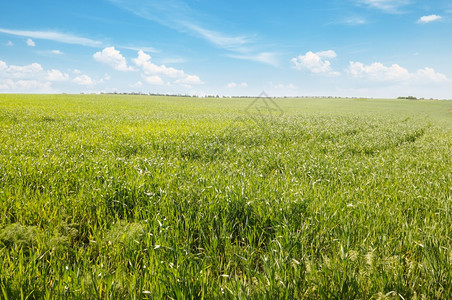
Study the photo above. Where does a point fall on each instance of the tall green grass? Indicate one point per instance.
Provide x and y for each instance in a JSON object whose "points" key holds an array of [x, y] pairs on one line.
{"points": [[153, 197]]}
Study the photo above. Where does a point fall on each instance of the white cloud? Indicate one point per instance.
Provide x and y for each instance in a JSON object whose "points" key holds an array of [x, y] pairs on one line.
{"points": [[430, 74], [154, 79], [189, 79], [13, 71], [30, 43], [137, 84], [112, 57], [144, 61], [83, 80], [315, 62], [428, 19], [327, 54], [379, 72], [54, 36], [389, 6], [26, 78], [9, 44], [57, 52], [25, 85], [152, 72], [32, 84], [234, 85], [34, 78], [56, 75]]}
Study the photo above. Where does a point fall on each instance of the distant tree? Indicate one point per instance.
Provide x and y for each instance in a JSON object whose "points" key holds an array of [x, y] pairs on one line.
{"points": [[408, 98]]}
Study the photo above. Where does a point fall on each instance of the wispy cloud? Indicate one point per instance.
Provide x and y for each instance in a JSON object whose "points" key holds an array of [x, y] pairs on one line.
{"points": [[66, 38], [264, 57], [178, 15], [389, 6], [173, 60], [144, 48], [54, 36], [233, 43], [354, 21], [428, 19]]}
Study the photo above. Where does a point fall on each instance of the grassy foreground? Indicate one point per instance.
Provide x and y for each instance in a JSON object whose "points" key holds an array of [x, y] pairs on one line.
{"points": [[153, 197]]}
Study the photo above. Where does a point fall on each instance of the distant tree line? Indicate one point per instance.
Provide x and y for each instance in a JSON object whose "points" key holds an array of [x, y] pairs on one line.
{"points": [[407, 98], [247, 97]]}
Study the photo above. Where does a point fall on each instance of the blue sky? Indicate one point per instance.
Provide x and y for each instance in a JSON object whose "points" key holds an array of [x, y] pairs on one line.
{"points": [[359, 48]]}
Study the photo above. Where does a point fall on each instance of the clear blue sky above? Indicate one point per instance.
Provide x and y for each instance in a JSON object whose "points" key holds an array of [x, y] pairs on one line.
{"points": [[360, 48]]}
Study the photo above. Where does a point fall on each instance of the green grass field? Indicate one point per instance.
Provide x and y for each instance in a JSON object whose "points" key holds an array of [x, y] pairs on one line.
{"points": [[105, 196]]}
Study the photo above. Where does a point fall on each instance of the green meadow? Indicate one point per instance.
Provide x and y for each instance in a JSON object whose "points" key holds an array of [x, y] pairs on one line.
{"points": [[146, 197]]}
